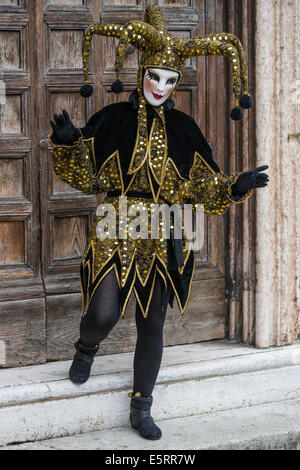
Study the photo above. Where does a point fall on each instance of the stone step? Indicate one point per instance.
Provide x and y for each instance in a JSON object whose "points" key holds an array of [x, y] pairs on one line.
{"points": [[39, 402], [272, 426]]}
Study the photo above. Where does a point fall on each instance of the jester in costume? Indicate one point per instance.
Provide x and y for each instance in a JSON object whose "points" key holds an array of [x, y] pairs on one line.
{"points": [[151, 153]]}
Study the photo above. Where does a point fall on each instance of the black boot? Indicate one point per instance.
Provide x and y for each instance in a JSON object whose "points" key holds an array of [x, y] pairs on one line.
{"points": [[141, 419], [82, 362]]}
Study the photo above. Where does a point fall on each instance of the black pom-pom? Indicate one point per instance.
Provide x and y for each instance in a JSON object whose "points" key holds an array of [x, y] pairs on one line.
{"points": [[246, 101], [117, 86], [236, 114], [86, 91]]}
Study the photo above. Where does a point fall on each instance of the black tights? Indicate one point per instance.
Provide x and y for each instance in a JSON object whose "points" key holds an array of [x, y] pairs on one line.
{"points": [[103, 314]]}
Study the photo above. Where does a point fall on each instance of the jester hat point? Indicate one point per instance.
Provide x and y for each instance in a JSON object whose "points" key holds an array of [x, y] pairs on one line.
{"points": [[164, 50]]}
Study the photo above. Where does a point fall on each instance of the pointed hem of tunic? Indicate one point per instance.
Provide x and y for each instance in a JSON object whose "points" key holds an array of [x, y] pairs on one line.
{"points": [[180, 282]]}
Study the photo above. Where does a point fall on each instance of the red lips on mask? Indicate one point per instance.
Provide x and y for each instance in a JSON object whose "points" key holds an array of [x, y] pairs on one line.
{"points": [[157, 97]]}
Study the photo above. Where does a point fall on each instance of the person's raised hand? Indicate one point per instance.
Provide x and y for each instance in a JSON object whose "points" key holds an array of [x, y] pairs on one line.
{"points": [[63, 130], [251, 180]]}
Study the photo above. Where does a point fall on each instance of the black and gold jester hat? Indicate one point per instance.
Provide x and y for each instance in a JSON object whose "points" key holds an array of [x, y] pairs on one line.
{"points": [[161, 49]]}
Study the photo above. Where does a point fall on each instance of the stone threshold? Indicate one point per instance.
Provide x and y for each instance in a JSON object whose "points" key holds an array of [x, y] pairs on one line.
{"points": [[39, 402], [260, 427]]}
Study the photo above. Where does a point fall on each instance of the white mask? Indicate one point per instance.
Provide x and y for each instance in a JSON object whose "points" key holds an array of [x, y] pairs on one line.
{"points": [[159, 84]]}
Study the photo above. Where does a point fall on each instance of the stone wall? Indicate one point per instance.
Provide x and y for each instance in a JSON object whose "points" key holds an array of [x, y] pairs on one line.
{"points": [[278, 145]]}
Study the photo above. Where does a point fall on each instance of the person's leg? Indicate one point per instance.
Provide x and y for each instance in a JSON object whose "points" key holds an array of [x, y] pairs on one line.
{"points": [[149, 345], [147, 360], [103, 312], [102, 315]]}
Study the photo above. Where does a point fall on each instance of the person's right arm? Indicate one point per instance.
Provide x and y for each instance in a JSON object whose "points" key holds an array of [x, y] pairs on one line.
{"points": [[73, 155]]}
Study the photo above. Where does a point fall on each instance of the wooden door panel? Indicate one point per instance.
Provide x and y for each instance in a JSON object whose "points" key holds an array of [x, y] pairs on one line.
{"points": [[22, 303], [9, 2], [11, 115], [69, 237], [23, 328], [60, 3], [12, 243], [10, 54], [175, 3], [12, 178], [65, 49], [121, 3], [68, 100], [62, 330], [109, 47]]}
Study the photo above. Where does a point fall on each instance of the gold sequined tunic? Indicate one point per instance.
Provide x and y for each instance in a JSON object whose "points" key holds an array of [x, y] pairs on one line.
{"points": [[137, 261]]}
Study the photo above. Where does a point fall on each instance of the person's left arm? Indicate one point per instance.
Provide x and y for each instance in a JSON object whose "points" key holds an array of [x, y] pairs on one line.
{"points": [[207, 185]]}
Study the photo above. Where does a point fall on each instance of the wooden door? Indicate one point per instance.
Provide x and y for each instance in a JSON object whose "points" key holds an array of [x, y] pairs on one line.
{"points": [[44, 222], [22, 299]]}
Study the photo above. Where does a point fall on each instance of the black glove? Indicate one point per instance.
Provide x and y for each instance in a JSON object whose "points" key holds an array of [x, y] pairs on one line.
{"points": [[63, 130], [250, 180]]}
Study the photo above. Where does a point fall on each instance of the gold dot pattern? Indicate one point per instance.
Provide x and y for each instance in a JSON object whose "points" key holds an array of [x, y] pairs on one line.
{"points": [[129, 242], [221, 44], [155, 146], [204, 187], [158, 148], [76, 166], [154, 17]]}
